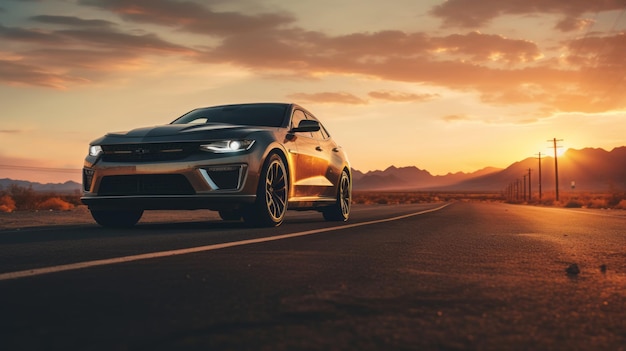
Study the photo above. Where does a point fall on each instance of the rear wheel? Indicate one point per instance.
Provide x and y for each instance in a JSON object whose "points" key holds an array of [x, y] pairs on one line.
{"points": [[340, 211], [116, 219], [271, 200]]}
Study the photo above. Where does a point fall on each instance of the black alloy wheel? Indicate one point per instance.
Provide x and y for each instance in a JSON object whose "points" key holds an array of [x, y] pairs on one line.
{"points": [[340, 211], [271, 202]]}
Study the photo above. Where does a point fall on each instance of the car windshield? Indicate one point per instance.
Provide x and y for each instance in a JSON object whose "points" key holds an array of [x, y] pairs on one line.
{"points": [[267, 115]]}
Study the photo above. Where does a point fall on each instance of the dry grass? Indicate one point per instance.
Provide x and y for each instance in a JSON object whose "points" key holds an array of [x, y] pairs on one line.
{"points": [[17, 198], [412, 197], [614, 200]]}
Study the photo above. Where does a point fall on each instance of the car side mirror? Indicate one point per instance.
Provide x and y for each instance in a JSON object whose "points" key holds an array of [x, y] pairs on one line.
{"points": [[307, 125]]}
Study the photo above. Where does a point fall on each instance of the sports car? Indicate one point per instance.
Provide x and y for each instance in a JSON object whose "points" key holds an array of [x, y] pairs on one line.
{"points": [[246, 161]]}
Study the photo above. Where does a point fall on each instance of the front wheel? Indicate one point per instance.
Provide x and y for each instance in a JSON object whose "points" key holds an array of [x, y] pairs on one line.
{"points": [[271, 200], [116, 219], [340, 211]]}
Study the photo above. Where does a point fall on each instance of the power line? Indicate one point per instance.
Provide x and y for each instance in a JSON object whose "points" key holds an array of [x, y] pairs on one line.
{"points": [[46, 169]]}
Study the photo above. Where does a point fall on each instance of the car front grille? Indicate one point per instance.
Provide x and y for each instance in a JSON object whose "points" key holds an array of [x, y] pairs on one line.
{"points": [[148, 152], [145, 184]]}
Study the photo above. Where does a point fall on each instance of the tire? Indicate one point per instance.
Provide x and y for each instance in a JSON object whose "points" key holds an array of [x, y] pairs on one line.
{"points": [[116, 219], [272, 194], [340, 211], [230, 215]]}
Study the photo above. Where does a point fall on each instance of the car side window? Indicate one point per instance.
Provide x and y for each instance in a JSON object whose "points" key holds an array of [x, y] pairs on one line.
{"points": [[298, 116], [319, 135]]}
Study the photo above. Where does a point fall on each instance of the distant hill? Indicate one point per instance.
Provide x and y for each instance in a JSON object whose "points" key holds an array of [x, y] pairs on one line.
{"points": [[67, 187], [595, 170], [411, 178], [590, 169]]}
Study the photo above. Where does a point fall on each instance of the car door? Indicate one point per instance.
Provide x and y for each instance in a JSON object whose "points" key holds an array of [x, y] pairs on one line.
{"points": [[309, 180], [334, 160]]}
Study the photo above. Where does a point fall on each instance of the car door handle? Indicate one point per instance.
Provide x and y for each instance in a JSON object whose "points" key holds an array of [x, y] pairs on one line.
{"points": [[319, 148]]}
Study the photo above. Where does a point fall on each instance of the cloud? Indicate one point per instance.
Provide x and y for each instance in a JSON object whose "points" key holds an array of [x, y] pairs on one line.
{"points": [[488, 47], [328, 97], [401, 97], [455, 118], [500, 70], [11, 131], [596, 51], [476, 14], [63, 57], [29, 36], [191, 16], [13, 72], [73, 21], [571, 24]]}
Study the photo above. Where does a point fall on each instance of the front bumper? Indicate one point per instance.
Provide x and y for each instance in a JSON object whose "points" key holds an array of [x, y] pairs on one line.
{"points": [[168, 202], [222, 183]]}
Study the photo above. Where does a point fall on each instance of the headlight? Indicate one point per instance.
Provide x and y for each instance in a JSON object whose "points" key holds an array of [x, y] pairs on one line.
{"points": [[225, 146], [95, 150]]}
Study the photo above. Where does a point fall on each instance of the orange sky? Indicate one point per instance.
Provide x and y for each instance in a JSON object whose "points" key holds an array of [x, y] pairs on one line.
{"points": [[446, 86]]}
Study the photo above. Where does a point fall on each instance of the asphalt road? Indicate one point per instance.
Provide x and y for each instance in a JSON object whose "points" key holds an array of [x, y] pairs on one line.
{"points": [[469, 276]]}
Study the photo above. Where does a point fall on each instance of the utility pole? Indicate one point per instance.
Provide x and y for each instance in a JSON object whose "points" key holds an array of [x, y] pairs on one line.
{"points": [[556, 167], [539, 176], [524, 176], [530, 192]]}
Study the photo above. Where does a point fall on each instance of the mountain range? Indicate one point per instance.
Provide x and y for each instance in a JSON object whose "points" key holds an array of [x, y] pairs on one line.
{"points": [[588, 169]]}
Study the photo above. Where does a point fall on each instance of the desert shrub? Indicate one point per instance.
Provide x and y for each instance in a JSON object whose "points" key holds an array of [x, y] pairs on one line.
{"points": [[597, 203], [615, 199], [573, 204], [55, 203], [25, 198], [7, 204], [621, 205]]}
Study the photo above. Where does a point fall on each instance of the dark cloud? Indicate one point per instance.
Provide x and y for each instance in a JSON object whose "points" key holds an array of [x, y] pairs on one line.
{"points": [[475, 14], [303, 51], [59, 58], [117, 40], [73, 21], [29, 35], [191, 16]]}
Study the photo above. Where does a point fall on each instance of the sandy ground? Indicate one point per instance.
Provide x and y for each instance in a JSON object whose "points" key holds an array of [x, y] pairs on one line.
{"points": [[81, 216]]}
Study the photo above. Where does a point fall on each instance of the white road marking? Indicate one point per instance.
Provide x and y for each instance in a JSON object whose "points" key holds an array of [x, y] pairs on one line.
{"points": [[115, 260]]}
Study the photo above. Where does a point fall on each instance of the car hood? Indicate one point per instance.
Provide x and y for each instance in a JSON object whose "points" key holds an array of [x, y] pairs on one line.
{"points": [[178, 132]]}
